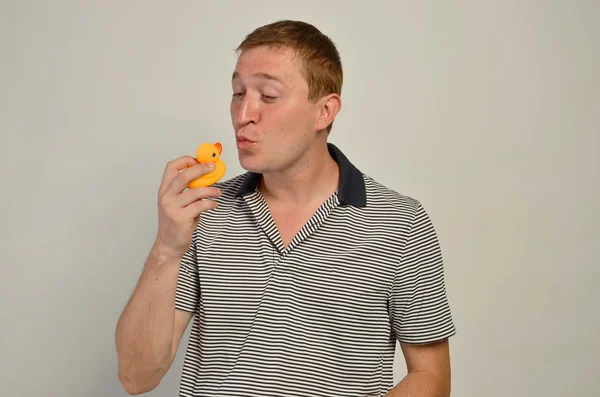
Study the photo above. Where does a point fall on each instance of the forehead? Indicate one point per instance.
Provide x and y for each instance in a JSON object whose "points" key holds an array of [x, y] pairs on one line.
{"points": [[281, 64]]}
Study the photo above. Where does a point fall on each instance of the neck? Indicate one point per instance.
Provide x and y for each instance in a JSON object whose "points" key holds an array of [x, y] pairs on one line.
{"points": [[314, 177]]}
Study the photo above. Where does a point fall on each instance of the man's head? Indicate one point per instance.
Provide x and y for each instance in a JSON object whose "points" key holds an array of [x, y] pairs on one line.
{"points": [[286, 92]]}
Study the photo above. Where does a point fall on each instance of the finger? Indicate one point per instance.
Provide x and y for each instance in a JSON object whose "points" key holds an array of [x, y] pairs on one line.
{"points": [[198, 207], [189, 196], [180, 182], [173, 169]]}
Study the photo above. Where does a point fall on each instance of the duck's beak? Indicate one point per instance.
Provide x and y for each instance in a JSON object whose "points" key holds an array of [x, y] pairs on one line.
{"points": [[219, 147]]}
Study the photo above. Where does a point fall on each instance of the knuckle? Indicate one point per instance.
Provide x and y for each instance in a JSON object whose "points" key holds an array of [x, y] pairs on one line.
{"points": [[183, 178], [203, 205], [169, 214], [204, 192], [170, 164], [212, 192], [164, 199]]}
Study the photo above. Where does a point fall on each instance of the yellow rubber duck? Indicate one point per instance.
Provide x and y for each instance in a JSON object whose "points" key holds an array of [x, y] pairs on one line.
{"points": [[205, 153]]}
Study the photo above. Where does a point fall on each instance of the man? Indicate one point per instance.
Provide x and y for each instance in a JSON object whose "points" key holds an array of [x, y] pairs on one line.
{"points": [[300, 274]]}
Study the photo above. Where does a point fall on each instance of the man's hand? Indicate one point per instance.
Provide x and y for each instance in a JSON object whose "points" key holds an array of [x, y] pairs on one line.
{"points": [[178, 208], [428, 368]]}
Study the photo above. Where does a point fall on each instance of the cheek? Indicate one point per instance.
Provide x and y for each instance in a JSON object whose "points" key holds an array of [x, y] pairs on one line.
{"points": [[288, 116]]}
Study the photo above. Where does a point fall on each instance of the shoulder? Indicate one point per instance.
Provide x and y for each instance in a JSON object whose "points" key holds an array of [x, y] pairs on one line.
{"points": [[228, 201], [383, 198], [230, 187], [407, 213]]}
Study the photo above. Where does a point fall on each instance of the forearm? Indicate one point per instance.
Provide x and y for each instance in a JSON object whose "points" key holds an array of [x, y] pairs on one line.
{"points": [[144, 334], [420, 384]]}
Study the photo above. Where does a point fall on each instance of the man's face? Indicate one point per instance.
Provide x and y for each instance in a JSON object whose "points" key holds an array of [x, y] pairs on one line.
{"points": [[274, 121]]}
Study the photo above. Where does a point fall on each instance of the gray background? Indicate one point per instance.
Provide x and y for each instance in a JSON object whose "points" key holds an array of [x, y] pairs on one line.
{"points": [[488, 112]]}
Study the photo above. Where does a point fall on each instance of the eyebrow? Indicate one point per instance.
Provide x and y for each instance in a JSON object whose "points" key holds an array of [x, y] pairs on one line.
{"points": [[262, 76]]}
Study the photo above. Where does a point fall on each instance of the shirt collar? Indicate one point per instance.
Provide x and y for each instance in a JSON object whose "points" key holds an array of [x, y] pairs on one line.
{"points": [[351, 186]]}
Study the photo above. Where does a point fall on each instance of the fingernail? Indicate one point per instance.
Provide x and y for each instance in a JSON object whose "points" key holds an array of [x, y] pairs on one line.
{"points": [[211, 165]]}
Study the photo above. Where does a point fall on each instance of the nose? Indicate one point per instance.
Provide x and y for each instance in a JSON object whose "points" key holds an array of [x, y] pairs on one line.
{"points": [[247, 111]]}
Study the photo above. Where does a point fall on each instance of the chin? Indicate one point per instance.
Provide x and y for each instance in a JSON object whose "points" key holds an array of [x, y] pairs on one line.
{"points": [[251, 162]]}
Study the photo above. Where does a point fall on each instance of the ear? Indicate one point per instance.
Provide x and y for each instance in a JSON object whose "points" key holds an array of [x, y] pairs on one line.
{"points": [[328, 107]]}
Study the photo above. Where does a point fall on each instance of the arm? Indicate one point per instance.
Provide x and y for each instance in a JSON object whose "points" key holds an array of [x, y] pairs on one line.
{"points": [[428, 368], [150, 329], [420, 313]]}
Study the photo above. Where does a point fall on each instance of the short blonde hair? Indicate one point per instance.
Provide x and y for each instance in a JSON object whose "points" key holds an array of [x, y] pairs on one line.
{"points": [[321, 63]]}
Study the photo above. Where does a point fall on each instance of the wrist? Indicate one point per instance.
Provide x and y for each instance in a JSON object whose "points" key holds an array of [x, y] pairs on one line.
{"points": [[161, 254]]}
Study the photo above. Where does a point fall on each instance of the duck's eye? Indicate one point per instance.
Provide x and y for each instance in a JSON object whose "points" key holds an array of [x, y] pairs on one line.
{"points": [[214, 155]]}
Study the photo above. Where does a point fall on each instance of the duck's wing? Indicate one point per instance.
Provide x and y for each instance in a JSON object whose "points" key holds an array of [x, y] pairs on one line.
{"points": [[220, 168]]}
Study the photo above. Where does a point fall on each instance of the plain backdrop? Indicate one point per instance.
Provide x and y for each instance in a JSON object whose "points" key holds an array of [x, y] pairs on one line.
{"points": [[488, 112]]}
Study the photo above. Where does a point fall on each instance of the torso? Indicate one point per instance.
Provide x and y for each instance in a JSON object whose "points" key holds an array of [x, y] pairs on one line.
{"points": [[326, 301]]}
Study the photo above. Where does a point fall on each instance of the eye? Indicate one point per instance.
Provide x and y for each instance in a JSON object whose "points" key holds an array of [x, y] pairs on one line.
{"points": [[268, 98], [237, 94], [214, 155]]}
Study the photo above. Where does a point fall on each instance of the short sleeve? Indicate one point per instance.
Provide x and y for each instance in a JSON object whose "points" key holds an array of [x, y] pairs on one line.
{"points": [[419, 307], [188, 284]]}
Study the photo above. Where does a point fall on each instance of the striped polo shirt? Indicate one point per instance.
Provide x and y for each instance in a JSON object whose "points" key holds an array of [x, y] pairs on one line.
{"points": [[321, 316]]}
